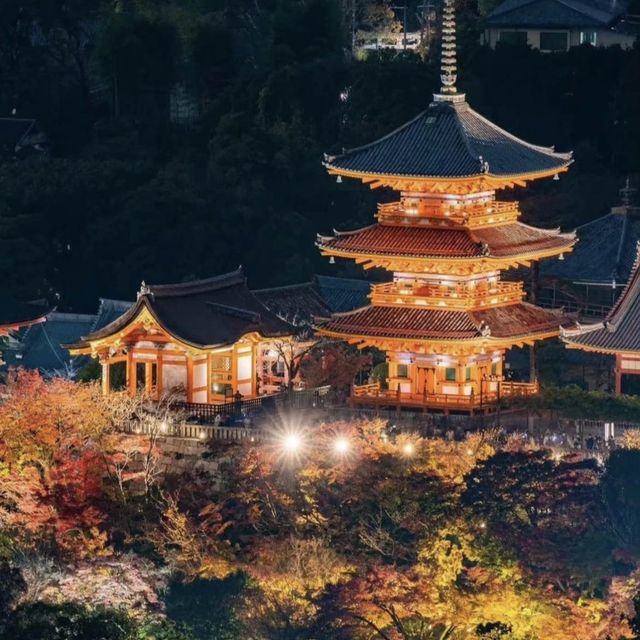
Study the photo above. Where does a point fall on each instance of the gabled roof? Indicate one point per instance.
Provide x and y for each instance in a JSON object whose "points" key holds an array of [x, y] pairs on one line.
{"points": [[620, 332], [110, 310], [297, 304], [343, 294], [203, 313], [605, 252], [504, 241], [40, 345], [513, 321], [556, 13], [449, 140]]}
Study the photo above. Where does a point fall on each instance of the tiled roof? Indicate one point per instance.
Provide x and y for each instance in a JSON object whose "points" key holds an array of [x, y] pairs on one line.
{"points": [[507, 240], [108, 311], [13, 312], [555, 13], [620, 332], [423, 324], [342, 294], [213, 312], [298, 304], [449, 140], [605, 251], [40, 345]]}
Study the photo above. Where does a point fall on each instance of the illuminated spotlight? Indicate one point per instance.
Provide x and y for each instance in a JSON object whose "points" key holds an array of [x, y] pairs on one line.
{"points": [[408, 449], [483, 525], [203, 435], [341, 446], [292, 443], [469, 452]]}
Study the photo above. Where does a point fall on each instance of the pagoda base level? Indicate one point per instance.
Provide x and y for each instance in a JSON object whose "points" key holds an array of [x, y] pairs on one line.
{"points": [[371, 395]]}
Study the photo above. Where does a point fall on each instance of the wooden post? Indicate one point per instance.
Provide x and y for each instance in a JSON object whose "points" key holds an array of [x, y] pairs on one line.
{"points": [[106, 378], [131, 374], [190, 377], [159, 382]]}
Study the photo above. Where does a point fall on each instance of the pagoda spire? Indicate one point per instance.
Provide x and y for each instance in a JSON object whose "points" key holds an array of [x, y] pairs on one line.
{"points": [[448, 67]]}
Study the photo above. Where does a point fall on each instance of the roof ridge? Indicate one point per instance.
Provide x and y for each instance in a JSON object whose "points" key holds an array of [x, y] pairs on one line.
{"points": [[329, 159], [548, 150], [619, 309], [591, 11], [496, 11], [621, 243], [236, 311], [195, 286], [283, 287]]}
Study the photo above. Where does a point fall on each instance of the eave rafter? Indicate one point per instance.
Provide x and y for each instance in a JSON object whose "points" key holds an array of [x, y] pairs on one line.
{"points": [[451, 346], [458, 186]]}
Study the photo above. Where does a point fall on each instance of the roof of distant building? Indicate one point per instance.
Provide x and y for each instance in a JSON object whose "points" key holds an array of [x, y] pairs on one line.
{"points": [[619, 332], [40, 346], [605, 252], [556, 13]]}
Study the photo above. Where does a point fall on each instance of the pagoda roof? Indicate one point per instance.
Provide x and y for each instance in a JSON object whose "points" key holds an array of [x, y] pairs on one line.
{"points": [[605, 252], [449, 140], [504, 241], [507, 322], [620, 331], [555, 13], [14, 313], [207, 313]]}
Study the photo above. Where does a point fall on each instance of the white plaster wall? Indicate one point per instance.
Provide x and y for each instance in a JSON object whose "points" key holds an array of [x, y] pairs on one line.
{"points": [[200, 374], [173, 375]]}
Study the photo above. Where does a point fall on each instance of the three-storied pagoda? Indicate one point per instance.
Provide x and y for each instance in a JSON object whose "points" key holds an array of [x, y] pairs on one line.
{"points": [[447, 318]]}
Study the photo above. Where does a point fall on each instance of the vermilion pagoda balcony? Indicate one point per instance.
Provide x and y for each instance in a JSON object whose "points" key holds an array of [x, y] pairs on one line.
{"points": [[493, 391], [448, 297]]}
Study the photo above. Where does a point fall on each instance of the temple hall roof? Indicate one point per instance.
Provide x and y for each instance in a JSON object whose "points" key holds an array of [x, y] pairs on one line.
{"points": [[513, 321], [556, 13], [449, 140], [39, 346], [605, 252], [505, 241], [203, 313], [620, 332]]}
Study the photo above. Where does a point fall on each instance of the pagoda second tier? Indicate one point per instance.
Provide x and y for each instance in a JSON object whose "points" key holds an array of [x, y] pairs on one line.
{"points": [[395, 328], [446, 248]]}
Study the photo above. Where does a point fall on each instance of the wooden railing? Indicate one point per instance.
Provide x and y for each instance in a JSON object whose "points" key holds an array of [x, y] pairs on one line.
{"points": [[235, 411], [428, 296], [374, 394], [472, 215]]}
